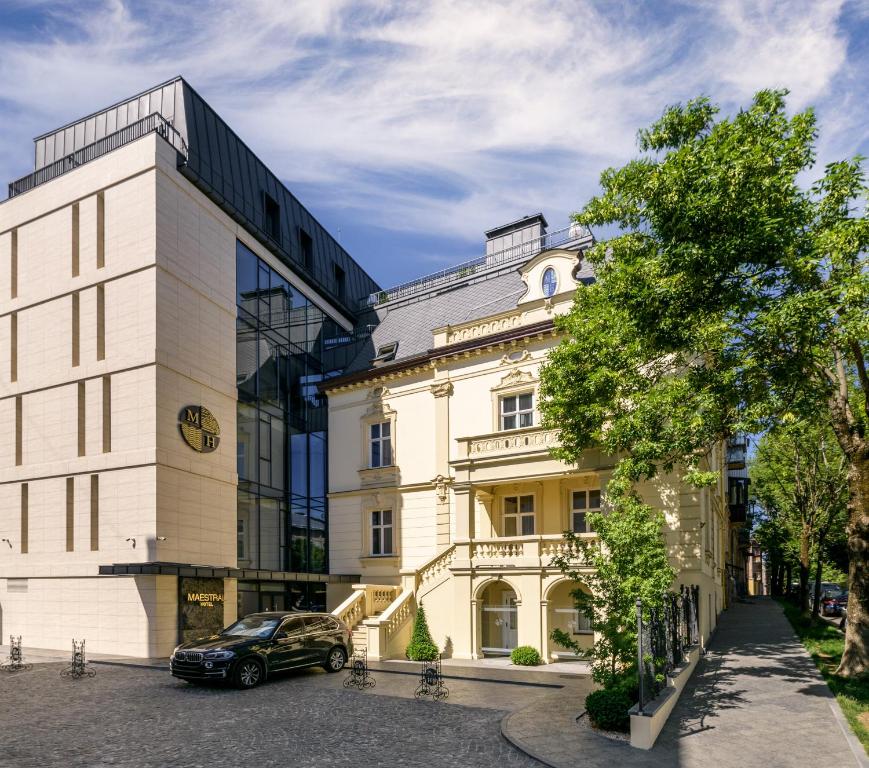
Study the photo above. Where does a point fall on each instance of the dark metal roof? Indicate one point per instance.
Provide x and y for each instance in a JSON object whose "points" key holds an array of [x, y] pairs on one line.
{"points": [[222, 166], [525, 221]]}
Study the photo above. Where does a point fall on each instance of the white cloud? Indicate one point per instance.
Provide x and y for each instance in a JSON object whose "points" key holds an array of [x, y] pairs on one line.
{"points": [[513, 106]]}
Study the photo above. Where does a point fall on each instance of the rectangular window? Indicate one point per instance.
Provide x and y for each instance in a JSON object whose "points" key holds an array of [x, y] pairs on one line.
{"points": [[519, 515], [101, 230], [70, 514], [517, 411], [241, 541], [75, 329], [581, 503], [25, 523], [381, 532], [306, 246], [107, 414], [101, 322], [13, 347], [95, 513], [272, 213], [75, 264], [19, 426], [340, 281], [13, 267], [81, 418], [380, 436]]}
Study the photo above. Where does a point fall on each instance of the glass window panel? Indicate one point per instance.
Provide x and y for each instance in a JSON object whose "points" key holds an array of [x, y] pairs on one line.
{"points": [[525, 402], [527, 525], [387, 541], [508, 404], [278, 442], [247, 442], [270, 538], [387, 453], [387, 517], [386, 429], [317, 563], [509, 422], [375, 518], [510, 526], [318, 465], [594, 499], [510, 505], [526, 420], [245, 276], [375, 542], [579, 522], [375, 454], [579, 499], [527, 503], [246, 360], [375, 431]]}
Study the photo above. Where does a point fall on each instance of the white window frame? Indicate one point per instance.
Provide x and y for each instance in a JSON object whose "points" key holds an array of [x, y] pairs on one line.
{"points": [[518, 516], [573, 510], [378, 527], [517, 413], [380, 441]]}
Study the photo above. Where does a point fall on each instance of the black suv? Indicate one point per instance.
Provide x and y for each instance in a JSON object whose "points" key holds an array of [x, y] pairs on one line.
{"points": [[251, 649]]}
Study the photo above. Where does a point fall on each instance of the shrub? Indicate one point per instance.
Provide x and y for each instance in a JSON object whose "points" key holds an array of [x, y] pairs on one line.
{"points": [[421, 646], [608, 709], [525, 656]]}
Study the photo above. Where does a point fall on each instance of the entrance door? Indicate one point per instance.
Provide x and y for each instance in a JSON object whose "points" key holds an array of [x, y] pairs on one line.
{"points": [[499, 621]]}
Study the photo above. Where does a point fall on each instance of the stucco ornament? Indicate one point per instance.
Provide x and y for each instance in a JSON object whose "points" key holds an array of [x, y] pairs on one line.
{"points": [[442, 389], [515, 378]]}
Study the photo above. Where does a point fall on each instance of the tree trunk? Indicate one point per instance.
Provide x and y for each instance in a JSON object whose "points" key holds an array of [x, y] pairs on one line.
{"points": [[816, 603], [789, 577], [805, 541], [855, 658]]}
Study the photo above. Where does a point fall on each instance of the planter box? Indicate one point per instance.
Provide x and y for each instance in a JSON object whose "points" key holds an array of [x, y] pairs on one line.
{"points": [[645, 727]]}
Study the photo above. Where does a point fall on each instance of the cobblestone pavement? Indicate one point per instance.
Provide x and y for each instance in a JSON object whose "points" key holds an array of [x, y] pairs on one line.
{"points": [[756, 699], [134, 716]]}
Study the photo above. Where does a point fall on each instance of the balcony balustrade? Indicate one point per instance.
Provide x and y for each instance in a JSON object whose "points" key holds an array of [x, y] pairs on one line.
{"points": [[513, 552], [518, 441]]}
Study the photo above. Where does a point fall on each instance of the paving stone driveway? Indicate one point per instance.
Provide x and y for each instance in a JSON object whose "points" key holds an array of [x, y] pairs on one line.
{"points": [[144, 718]]}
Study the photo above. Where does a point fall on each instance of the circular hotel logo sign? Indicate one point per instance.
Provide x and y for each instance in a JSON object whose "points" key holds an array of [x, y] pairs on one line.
{"points": [[199, 428]]}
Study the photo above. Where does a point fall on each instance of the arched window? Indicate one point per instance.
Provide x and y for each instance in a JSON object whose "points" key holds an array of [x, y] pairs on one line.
{"points": [[550, 282]]}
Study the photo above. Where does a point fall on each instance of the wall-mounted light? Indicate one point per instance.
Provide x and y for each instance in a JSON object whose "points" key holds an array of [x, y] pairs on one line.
{"points": [[161, 538], [132, 539], [8, 542]]}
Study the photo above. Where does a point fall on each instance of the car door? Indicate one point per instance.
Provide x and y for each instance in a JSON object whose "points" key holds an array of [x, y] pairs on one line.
{"points": [[288, 645], [320, 631]]}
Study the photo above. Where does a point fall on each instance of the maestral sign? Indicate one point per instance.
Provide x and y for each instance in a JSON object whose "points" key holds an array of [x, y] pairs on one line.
{"points": [[199, 428]]}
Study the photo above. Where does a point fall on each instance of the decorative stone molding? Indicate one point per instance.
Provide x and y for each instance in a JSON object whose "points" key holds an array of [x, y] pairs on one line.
{"points": [[508, 443], [442, 389], [484, 328], [511, 358], [515, 378], [441, 486], [378, 392], [379, 410]]}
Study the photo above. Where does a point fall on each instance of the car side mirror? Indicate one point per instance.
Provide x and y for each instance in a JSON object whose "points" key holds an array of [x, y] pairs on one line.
{"points": [[282, 635]]}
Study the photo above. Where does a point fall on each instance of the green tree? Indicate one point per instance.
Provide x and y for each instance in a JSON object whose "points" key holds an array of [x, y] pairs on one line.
{"points": [[731, 298], [627, 561], [799, 471], [421, 646]]}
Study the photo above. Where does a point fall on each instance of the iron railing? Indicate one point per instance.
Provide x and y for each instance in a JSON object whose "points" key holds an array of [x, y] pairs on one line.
{"points": [[153, 123], [515, 253], [664, 635]]}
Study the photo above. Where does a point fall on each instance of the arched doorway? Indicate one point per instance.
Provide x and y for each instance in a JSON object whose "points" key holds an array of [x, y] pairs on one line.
{"points": [[564, 615], [499, 620]]}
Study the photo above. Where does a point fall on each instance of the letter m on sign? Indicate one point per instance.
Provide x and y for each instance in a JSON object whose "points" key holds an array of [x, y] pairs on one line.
{"points": [[192, 416]]}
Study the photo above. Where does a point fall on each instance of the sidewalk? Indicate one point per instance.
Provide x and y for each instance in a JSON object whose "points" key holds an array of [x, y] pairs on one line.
{"points": [[755, 699]]}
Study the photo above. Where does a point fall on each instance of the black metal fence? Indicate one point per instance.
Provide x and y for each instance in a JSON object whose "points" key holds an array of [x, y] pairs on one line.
{"points": [[153, 123], [665, 632]]}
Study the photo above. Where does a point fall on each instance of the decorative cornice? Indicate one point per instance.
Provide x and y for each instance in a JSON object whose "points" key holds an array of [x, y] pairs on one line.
{"points": [[442, 388], [515, 378]]}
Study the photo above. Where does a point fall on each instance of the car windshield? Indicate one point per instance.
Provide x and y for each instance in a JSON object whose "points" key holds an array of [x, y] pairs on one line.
{"points": [[253, 626]]}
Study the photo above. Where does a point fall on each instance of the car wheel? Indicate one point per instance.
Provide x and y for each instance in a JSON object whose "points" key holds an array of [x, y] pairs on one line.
{"points": [[249, 673], [336, 660]]}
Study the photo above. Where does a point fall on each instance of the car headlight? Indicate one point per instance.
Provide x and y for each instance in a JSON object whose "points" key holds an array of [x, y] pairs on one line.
{"points": [[220, 655]]}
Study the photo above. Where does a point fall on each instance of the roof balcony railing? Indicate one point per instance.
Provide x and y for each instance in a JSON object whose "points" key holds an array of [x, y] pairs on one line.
{"points": [[153, 123], [575, 233]]}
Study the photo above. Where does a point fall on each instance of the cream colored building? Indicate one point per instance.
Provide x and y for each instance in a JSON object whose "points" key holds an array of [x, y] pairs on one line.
{"points": [[154, 278], [442, 490]]}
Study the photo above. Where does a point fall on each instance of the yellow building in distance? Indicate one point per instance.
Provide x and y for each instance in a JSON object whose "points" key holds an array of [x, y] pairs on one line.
{"points": [[442, 487]]}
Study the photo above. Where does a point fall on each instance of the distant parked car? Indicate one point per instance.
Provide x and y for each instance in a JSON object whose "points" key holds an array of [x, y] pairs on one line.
{"points": [[253, 648]]}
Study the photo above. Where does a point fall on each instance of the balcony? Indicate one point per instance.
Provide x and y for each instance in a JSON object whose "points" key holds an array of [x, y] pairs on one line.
{"points": [[518, 441], [509, 553]]}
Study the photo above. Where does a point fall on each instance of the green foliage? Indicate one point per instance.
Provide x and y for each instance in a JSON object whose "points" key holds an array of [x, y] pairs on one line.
{"points": [[608, 709], [525, 656], [627, 561], [421, 646], [731, 299], [825, 643]]}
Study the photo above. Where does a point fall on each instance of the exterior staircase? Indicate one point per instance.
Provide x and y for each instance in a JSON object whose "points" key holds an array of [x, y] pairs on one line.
{"points": [[359, 635]]}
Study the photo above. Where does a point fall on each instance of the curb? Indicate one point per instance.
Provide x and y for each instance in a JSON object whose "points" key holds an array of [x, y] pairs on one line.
{"points": [[521, 745]]}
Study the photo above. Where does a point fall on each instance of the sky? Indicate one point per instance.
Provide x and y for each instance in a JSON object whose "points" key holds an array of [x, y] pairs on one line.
{"points": [[409, 128]]}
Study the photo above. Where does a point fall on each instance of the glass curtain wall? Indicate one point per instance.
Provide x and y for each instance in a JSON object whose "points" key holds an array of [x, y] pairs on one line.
{"points": [[285, 346]]}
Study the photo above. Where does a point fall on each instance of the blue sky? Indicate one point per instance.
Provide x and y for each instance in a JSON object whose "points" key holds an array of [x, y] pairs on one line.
{"points": [[411, 127]]}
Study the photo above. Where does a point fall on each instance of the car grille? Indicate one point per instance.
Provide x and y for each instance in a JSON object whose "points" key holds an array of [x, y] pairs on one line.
{"points": [[188, 656]]}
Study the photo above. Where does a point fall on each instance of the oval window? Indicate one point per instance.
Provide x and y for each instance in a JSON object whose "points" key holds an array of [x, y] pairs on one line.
{"points": [[550, 282]]}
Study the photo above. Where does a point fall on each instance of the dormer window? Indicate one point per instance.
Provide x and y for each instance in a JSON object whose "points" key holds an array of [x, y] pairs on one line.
{"points": [[386, 352], [550, 282]]}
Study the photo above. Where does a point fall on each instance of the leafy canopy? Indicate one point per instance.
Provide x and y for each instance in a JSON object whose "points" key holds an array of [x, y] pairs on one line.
{"points": [[732, 296]]}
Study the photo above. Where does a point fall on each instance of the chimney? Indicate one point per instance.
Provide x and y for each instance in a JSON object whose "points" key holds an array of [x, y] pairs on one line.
{"points": [[518, 238]]}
